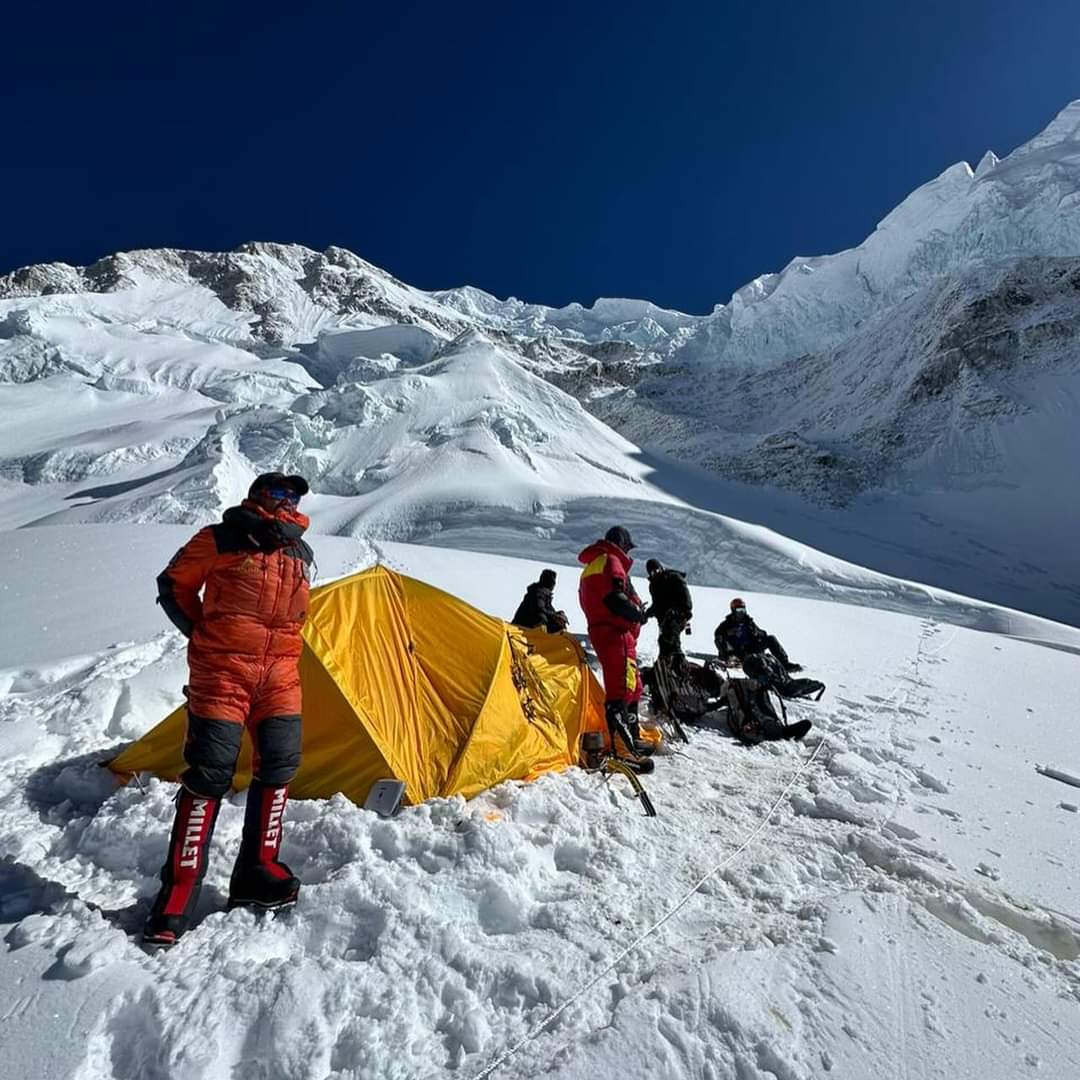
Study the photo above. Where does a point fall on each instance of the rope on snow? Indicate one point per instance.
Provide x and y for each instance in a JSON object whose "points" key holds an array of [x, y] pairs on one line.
{"points": [[685, 899], [649, 931]]}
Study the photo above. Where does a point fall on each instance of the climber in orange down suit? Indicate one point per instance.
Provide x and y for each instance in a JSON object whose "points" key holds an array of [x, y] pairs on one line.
{"points": [[253, 571]]}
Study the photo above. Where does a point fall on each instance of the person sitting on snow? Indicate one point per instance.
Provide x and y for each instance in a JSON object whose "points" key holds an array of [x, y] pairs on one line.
{"points": [[615, 614], [738, 636], [672, 607], [538, 606]]}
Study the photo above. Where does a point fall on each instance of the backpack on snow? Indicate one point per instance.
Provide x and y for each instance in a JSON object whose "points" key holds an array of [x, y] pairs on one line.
{"points": [[674, 692], [751, 717]]}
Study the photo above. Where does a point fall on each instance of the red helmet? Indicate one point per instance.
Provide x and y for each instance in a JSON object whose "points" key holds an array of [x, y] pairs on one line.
{"points": [[738, 602]]}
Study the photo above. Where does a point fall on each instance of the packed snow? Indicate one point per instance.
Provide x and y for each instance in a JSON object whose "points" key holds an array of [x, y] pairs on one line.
{"points": [[911, 903]]}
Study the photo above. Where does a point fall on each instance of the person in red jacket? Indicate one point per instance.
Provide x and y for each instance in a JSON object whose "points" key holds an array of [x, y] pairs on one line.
{"points": [[615, 614], [253, 571]]}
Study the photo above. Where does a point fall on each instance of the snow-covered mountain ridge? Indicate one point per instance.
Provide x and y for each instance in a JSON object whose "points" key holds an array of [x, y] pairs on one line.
{"points": [[1026, 204], [291, 291], [903, 405]]}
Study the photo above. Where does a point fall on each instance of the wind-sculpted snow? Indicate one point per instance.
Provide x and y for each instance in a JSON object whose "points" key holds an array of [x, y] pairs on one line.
{"points": [[910, 899]]}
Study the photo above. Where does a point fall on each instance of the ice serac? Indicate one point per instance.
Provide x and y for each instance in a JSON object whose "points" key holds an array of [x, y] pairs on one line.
{"points": [[608, 319], [883, 404], [1023, 205], [1027, 204]]}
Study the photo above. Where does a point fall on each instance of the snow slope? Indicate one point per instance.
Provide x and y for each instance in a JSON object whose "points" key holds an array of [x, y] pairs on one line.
{"points": [[934, 452], [905, 405], [150, 405], [912, 909]]}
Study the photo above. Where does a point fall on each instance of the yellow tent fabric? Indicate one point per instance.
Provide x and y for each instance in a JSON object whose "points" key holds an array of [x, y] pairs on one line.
{"points": [[404, 680]]}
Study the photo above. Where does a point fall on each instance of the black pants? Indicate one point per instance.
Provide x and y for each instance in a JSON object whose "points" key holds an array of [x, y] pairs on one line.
{"points": [[768, 671], [776, 649], [212, 747], [672, 623]]}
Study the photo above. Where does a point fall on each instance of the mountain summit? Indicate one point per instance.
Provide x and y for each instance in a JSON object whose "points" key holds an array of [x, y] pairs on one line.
{"points": [[905, 404]]}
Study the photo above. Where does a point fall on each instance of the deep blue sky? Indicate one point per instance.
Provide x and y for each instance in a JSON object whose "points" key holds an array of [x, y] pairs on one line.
{"points": [[553, 151]]}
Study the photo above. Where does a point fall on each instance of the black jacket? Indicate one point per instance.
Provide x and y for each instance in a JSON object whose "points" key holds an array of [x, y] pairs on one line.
{"points": [[739, 637], [538, 609], [669, 592]]}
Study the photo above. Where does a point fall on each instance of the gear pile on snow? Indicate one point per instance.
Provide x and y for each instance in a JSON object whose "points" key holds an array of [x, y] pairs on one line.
{"points": [[708, 695]]}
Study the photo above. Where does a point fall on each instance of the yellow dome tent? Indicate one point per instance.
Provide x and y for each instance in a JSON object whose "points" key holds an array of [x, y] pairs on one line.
{"points": [[404, 680]]}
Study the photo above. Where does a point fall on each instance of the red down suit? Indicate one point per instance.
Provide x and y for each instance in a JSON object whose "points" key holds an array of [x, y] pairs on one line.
{"points": [[253, 570], [614, 613]]}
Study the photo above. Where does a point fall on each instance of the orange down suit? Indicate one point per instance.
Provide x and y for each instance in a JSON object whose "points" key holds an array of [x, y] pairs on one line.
{"points": [[253, 570]]}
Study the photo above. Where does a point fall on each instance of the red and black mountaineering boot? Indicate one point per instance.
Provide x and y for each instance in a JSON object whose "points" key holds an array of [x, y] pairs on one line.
{"points": [[184, 869], [259, 879]]}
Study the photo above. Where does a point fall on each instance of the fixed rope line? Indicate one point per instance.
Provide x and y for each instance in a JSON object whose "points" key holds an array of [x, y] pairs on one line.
{"points": [[649, 931], [685, 899]]}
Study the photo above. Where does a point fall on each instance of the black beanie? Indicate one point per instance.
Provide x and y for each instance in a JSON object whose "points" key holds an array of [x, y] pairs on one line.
{"points": [[547, 579], [620, 537], [276, 479]]}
